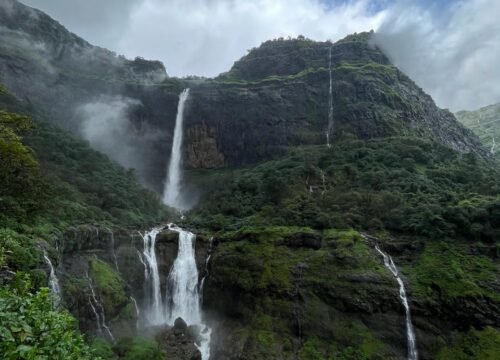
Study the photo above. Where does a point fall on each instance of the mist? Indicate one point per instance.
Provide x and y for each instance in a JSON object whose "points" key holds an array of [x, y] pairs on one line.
{"points": [[106, 126]]}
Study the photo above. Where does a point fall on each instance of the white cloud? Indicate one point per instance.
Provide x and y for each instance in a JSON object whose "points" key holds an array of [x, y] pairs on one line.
{"points": [[205, 37], [451, 48], [455, 59]]}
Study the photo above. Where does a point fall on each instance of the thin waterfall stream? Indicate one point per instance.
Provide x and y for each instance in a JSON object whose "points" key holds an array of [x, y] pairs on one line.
{"points": [[55, 288], [330, 101], [410, 333]]}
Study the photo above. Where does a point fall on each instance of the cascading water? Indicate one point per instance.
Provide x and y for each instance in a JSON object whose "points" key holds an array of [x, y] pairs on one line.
{"points": [[330, 101], [98, 310], [172, 193], [55, 288], [137, 311], [155, 312], [183, 290], [205, 271], [410, 333], [113, 252], [182, 297]]}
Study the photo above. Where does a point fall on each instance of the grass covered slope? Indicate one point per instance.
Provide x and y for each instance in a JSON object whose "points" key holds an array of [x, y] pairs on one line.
{"points": [[64, 181], [485, 123], [50, 180], [290, 282]]}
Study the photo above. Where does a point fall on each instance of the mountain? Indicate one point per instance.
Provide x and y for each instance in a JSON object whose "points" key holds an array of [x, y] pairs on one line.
{"points": [[275, 97], [290, 223], [485, 123]]}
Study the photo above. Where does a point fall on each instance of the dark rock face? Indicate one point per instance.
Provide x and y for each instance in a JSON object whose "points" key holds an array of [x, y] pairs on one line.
{"points": [[179, 341]]}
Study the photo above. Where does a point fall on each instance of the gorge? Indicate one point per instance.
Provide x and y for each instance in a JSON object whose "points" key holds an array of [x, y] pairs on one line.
{"points": [[257, 216]]}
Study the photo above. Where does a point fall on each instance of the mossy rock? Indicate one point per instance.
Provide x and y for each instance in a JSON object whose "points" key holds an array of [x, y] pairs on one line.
{"points": [[473, 345], [109, 285]]}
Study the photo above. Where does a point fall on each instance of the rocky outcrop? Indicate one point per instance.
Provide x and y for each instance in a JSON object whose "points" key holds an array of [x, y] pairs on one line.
{"points": [[201, 149], [179, 341]]}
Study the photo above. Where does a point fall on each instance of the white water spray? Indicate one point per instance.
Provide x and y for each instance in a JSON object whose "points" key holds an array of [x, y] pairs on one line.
{"points": [[155, 312], [172, 193], [330, 101], [55, 288], [410, 333]]}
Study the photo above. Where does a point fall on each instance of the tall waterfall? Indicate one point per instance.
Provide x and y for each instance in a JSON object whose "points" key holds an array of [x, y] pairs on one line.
{"points": [[172, 194], [410, 333], [155, 312], [55, 288], [330, 101]]}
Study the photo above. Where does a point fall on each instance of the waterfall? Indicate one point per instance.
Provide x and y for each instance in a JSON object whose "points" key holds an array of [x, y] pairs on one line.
{"points": [[113, 253], [330, 101], [493, 146], [410, 334], [183, 290], [55, 288], [155, 312], [137, 311], [172, 194], [205, 271], [98, 310]]}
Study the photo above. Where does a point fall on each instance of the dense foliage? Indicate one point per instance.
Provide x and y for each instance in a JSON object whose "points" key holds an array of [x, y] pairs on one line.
{"points": [[405, 185], [31, 329], [49, 180], [74, 183], [485, 123]]}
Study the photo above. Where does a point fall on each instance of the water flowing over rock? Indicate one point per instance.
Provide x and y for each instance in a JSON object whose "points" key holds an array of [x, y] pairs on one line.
{"points": [[98, 310], [182, 297], [330, 100], [55, 288], [183, 291], [172, 193], [410, 333], [155, 313]]}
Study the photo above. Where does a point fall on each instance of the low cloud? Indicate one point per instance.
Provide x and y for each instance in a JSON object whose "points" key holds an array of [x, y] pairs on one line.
{"points": [[106, 126], [450, 48]]}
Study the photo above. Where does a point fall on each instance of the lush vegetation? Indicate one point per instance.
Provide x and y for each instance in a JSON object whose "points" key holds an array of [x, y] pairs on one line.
{"points": [[50, 180], [404, 185], [129, 349], [485, 123], [444, 205], [30, 328], [474, 345], [74, 183]]}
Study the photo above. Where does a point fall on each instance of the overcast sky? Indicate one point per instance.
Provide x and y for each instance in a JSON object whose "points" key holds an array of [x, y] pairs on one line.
{"points": [[451, 49]]}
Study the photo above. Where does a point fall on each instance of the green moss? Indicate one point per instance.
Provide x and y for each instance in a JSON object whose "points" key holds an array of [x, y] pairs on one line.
{"points": [[474, 345], [102, 349], [138, 349], [448, 267], [109, 285]]}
